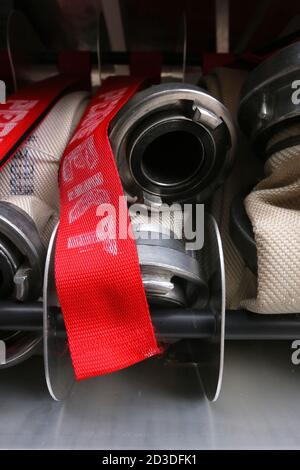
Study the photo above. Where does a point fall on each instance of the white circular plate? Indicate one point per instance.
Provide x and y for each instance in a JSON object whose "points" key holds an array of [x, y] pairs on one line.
{"points": [[57, 360], [210, 352]]}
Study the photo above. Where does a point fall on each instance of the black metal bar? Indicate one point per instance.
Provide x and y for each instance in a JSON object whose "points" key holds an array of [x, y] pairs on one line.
{"points": [[21, 316], [167, 323], [244, 325], [183, 323], [171, 323]]}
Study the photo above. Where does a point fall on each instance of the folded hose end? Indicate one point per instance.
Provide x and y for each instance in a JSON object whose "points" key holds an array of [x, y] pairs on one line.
{"points": [[22, 254]]}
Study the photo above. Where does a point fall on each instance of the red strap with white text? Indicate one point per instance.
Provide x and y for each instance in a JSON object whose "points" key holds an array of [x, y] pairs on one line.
{"points": [[23, 111], [98, 279]]}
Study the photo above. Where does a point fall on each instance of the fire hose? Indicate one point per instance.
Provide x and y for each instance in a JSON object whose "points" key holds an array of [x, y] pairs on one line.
{"points": [[176, 114], [173, 143], [184, 288], [269, 115], [29, 211]]}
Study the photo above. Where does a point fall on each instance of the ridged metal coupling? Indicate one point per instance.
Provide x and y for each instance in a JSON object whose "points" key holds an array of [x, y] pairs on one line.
{"points": [[172, 275], [22, 254], [270, 98], [172, 142]]}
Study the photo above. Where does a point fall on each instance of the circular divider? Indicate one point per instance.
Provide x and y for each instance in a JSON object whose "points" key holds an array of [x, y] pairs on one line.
{"points": [[57, 360], [207, 353]]}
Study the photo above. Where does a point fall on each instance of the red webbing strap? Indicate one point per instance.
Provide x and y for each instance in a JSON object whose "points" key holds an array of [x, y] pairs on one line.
{"points": [[98, 280], [25, 109]]}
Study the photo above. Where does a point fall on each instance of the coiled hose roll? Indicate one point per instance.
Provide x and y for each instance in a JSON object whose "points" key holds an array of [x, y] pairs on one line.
{"points": [[274, 210], [29, 210], [29, 198], [269, 116], [273, 206]]}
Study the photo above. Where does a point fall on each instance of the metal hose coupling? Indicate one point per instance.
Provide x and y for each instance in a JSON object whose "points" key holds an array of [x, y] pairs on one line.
{"points": [[270, 101], [172, 142], [172, 274]]}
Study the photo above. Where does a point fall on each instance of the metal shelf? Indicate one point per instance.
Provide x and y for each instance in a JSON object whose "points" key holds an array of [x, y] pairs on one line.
{"points": [[155, 405]]}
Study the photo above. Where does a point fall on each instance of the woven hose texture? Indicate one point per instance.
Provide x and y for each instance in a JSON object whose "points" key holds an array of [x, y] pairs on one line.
{"points": [[30, 179], [274, 210]]}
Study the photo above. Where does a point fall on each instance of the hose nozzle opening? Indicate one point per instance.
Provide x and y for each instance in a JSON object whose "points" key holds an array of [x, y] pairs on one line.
{"points": [[172, 158]]}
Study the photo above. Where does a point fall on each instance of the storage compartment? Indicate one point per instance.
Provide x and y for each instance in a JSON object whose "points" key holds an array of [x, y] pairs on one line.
{"points": [[137, 313]]}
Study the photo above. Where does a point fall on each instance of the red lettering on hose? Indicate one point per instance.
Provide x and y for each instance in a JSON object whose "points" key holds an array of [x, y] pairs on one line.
{"points": [[98, 276]]}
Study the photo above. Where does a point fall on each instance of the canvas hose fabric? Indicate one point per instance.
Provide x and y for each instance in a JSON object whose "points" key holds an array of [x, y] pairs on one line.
{"points": [[30, 179], [274, 210], [98, 276], [26, 108]]}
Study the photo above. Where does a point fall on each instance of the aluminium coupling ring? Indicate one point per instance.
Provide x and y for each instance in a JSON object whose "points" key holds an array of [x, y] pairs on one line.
{"points": [[172, 142]]}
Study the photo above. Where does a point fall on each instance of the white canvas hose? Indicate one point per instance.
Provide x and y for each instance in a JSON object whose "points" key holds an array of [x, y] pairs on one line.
{"points": [[274, 210], [30, 180]]}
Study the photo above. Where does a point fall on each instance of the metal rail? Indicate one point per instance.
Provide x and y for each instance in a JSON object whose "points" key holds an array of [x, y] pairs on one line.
{"points": [[172, 323]]}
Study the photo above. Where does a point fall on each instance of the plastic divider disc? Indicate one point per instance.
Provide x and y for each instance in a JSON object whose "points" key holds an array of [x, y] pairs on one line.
{"points": [[57, 360], [210, 352]]}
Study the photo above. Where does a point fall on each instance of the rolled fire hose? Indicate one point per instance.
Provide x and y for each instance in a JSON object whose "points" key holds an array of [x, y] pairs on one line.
{"points": [[29, 211], [170, 275], [269, 114], [172, 143], [172, 280]]}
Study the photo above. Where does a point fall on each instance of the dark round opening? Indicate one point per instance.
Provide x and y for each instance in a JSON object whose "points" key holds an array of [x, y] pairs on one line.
{"points": [[172, 158]]}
